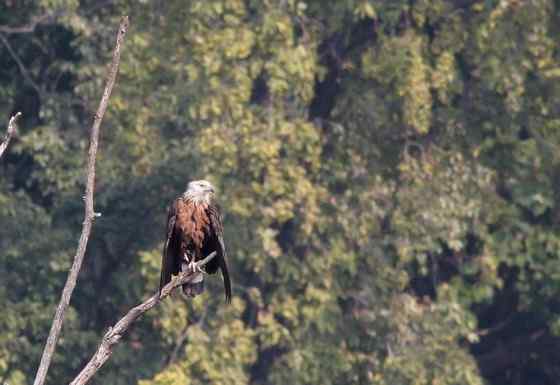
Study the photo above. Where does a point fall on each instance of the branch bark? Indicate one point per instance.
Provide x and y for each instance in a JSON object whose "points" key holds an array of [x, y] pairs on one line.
{"points": [[9, 133], [89, 214], [115, 333]]}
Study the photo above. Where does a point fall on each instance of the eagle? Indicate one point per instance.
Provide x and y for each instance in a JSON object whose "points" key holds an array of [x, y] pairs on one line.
{"points": [[195, 230]]}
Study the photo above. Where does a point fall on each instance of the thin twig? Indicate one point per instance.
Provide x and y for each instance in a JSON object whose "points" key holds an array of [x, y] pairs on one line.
{"points": [[115, 333], [20, 65], [89, 214], [9, 133]]}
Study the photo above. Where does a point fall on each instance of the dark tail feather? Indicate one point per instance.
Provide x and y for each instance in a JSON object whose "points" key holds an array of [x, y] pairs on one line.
{"points": [[227, 282], [162, 279]]}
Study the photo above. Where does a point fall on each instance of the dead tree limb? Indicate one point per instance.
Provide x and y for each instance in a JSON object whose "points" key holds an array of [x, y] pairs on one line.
{"points": [[9, 133], [115, 333], [24, 71], [88, 216]]}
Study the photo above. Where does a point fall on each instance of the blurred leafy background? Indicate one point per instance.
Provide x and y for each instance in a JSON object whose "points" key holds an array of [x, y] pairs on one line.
{"points": [[389, 170]]}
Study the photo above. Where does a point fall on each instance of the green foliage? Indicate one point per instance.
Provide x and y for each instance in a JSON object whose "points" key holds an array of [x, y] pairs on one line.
{"points": [[388, 171]]}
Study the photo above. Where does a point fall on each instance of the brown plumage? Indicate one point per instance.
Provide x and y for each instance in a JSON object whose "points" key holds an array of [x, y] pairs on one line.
{"points": [[194, 230]]}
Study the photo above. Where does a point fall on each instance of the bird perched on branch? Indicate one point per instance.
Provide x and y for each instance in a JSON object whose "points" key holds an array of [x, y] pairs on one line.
{"points": [[194, 230]]}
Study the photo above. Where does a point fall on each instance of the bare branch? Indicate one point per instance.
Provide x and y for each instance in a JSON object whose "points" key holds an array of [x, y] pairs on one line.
{"points": [[9, 133], [89, 214], [115, 333], [20, 65]]}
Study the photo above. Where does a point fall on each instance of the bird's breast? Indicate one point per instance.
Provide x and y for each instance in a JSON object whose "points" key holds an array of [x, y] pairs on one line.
{"points": [[193, 222]]}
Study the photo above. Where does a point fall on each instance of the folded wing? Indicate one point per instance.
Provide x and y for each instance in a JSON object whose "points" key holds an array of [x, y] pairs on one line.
{"points": [[217, 230], [169, 259]]}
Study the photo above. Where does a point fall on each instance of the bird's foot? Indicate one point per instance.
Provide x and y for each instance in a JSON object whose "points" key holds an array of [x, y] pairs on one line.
{"points": [[194, 267]]}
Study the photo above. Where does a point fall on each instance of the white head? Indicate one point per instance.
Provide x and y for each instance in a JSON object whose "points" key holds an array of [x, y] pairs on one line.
{"points": [[200, 190]]}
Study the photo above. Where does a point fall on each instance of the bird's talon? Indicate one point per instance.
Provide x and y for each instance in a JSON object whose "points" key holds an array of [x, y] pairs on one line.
{"points": [[195, 268]]}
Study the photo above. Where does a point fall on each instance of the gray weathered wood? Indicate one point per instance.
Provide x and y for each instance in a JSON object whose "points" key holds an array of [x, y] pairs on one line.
{"points": [[115, 333], [88, 216], [9, 133]]}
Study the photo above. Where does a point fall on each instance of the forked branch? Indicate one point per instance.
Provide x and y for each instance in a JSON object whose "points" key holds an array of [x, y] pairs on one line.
{"points": [[115, 333], [10, 132]]}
